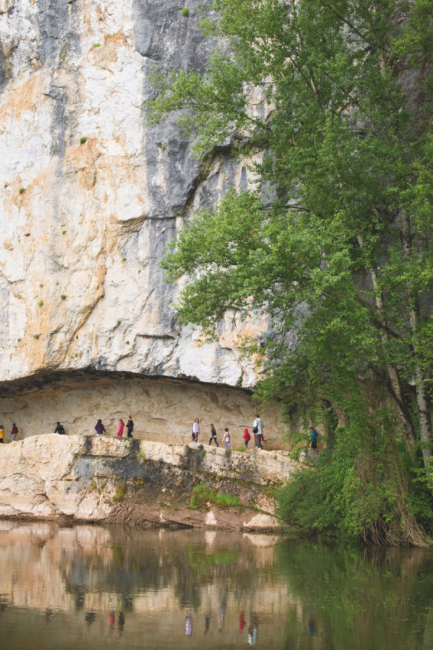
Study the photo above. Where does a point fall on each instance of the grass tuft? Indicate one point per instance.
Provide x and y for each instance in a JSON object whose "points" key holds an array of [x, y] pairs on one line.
{"points": [[120, 493], [202, 495], [185, 12]]}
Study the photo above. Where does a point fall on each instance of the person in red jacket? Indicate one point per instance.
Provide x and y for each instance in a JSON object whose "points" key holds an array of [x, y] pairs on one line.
{"points": [[14, 432], [120, 429], [247, 438]]}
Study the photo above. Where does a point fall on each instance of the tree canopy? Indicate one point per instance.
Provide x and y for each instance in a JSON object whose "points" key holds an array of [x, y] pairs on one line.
{"points": [[334, 242]]}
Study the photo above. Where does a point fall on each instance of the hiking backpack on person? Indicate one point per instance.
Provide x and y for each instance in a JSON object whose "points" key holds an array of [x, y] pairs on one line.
{"points": [[258, 431]]}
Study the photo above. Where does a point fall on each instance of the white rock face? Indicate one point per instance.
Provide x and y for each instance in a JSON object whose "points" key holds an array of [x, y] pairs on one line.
{"points": [[54, 476], [90, 195]]}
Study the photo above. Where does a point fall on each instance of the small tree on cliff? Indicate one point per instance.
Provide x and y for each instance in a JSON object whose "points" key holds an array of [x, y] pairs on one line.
{"points": [[335, 243]]}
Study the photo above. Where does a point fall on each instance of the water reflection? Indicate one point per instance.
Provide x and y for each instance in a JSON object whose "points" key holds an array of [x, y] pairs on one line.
{"points": [[96, 588]]}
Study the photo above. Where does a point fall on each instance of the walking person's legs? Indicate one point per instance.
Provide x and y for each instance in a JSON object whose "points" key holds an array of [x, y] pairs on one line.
{"points": [[246, 444]]}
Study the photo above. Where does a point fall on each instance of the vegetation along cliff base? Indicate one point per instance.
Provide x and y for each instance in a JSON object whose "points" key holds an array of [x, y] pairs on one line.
{"points": [[333, 243]]}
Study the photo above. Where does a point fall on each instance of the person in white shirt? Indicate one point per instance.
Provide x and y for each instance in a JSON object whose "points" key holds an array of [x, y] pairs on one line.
{"points": [[195, 429], [258, 431], [226, 438]]}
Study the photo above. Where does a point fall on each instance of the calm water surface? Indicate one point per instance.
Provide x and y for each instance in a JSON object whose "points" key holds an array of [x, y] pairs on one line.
{"points": [[96, 588]]}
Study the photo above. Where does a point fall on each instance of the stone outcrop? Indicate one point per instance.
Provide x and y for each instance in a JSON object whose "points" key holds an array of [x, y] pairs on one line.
{"points": [[85, 478], [90, 194]]}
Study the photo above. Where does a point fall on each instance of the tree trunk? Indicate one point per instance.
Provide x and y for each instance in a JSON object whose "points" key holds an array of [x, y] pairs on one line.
{"points": [[421, 391]]}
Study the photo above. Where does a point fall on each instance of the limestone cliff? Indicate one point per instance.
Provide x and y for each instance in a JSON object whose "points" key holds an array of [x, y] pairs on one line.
{"points": [[90, 195], [147, 483]]}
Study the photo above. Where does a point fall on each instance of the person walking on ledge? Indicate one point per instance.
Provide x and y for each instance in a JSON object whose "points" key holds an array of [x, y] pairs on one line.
{"points": [[258, 431], [195, 430], [2, 434], [130, 427], [14, 432], [60, 429], [213, 435], [226, 438], [313, 438], [99, 428], [247, 438], [120, 429]]}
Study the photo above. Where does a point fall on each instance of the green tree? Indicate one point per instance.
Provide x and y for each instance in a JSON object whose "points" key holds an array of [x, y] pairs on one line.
{"points": [[335, 242]]}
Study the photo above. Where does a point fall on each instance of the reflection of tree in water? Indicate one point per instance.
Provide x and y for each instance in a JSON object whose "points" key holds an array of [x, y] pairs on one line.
{"points": [[354, 598], [144, 561]]}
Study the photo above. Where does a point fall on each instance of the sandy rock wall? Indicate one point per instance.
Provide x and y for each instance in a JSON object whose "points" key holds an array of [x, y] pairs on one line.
{"points": [[90, 194], [142, 482], [163, 410]]}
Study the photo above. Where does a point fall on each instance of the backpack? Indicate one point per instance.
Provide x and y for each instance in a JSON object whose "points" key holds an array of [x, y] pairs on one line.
{"points": [[255, 430]]}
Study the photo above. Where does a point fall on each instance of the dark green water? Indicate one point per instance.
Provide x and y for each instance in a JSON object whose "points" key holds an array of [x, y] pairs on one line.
{"points": [[97, 588]]}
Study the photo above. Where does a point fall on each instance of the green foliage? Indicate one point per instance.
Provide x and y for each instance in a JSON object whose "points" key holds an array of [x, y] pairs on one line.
{"points": [[63, 297], [355, 490], [22, 190], [120, 493], [202, 495], [83, 140], [334, 242], [36, 336], [202, 453], [41, 303], [185, 12]]}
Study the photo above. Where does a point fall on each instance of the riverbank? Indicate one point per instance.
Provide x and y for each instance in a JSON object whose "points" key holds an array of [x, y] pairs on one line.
{"points": [[90, 479]]}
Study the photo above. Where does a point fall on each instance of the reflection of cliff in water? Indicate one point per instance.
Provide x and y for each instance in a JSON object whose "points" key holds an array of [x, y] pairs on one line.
{"points": [[43, 566], [97, 588]]}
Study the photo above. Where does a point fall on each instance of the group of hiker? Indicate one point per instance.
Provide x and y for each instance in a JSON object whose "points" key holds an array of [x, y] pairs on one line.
{"points": [[14, 433], [257, 432], [100, 429]]}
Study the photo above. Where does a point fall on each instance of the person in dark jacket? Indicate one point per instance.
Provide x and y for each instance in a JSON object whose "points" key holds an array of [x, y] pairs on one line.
{"points": [[99, 428], [213, 435], [60, 429], [130, 427]]}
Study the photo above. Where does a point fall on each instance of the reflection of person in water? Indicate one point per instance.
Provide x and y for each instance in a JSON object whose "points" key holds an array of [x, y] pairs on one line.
{"points": [[241, 621], [90, 617], [206, 623], [111, 618], [188, 625], [221, 619], [121, 622], [253, 631], [311, 628]]}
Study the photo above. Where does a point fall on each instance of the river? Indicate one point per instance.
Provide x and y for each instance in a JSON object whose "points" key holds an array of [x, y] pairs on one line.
{"points": [[97, 588]]}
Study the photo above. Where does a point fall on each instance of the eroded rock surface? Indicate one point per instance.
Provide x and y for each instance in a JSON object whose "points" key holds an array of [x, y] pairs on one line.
{"points": [[90, 194], [85, 478], [163, 410]]}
